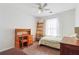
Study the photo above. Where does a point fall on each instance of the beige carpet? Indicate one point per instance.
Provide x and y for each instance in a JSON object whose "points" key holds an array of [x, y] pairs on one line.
{"points": [[35, 49]]}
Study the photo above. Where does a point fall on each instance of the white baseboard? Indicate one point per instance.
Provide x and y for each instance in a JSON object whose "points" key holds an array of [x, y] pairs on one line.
{"points": [[5, 49]]}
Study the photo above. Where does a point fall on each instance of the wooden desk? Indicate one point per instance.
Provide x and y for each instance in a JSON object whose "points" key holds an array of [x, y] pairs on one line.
{"points": [[21, 39], [69, 46], [23, 36]]}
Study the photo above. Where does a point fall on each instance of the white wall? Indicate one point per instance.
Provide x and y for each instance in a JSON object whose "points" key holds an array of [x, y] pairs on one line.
{"points": [[13, 16], [77, 16], [66, 20]]}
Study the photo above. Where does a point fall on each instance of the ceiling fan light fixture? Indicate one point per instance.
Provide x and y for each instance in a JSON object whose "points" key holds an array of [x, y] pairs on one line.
{"points": [[42, 8], [39, 11]]}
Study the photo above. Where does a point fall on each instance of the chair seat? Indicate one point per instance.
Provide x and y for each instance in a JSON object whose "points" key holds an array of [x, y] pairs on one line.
{"points": [[23, 41]]}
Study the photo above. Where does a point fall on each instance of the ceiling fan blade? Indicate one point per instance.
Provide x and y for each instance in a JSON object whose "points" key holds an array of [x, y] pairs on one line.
{"points": [[46, 9], [39, 5], [45, 4], [50, 12]]}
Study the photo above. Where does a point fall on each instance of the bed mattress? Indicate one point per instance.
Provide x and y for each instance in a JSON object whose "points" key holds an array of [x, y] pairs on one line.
{"points": [[51, 41]]}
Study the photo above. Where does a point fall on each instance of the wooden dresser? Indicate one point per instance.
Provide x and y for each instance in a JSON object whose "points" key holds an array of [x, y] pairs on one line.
{"points": [[69, 46]]}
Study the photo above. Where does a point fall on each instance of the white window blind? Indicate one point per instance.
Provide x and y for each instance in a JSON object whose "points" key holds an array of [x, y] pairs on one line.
{"points": [[52, 27]]}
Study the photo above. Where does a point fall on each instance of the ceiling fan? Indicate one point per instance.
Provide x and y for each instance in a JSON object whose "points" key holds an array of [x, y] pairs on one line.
{"points": [[42, 7]]}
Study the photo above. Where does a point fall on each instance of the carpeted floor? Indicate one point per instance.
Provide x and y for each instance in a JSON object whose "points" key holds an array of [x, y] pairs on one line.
{"points": [[35, 49]]}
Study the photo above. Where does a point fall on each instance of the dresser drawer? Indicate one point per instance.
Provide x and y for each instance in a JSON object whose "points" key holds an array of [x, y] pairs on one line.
{"points": [[66, 49]]}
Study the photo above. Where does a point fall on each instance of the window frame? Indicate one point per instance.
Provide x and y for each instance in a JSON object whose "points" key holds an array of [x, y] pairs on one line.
{"points": [[54, 29]]}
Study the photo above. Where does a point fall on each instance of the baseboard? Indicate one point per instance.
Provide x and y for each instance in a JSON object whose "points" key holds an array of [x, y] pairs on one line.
{"points": [[5, 49]]}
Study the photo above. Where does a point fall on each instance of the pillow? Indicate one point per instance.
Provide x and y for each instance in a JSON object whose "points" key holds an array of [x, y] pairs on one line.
{"points": [[74, 35]]}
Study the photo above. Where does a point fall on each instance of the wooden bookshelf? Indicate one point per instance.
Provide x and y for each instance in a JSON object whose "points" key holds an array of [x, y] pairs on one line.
{"points": [[39, 30]]}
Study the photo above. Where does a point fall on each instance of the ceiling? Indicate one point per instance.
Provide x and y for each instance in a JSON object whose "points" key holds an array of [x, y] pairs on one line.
{"points": [[54, 7], [31, 8]]}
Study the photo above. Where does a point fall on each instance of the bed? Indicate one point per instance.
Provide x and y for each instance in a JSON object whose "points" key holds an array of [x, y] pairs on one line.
{"points": [[50, 41]]}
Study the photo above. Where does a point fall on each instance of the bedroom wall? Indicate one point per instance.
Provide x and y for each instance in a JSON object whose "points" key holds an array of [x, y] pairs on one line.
{"points": [[77, 16], [66, 20], [13, 16]]}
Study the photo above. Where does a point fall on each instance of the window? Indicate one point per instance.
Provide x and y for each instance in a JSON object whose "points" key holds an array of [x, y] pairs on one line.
{"points": [[52, 27]]}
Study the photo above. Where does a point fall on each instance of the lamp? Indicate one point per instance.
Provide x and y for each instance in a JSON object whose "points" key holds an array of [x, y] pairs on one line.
{"points": [[77, 32]]}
